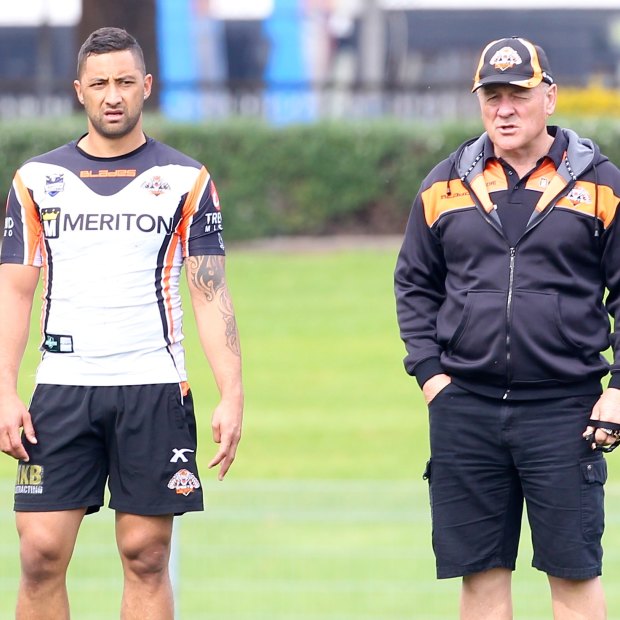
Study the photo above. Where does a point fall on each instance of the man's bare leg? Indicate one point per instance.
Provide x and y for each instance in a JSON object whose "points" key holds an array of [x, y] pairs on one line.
{"points": [[144, 546], [47, 540], [487, 595], [578, 599]]}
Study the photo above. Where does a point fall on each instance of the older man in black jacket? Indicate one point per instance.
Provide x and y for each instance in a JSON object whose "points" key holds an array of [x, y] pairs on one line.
{"points": [[511, 244]]}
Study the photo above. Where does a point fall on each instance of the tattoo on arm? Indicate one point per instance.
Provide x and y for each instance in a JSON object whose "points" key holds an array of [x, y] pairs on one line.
{"points": [[207, 275]]}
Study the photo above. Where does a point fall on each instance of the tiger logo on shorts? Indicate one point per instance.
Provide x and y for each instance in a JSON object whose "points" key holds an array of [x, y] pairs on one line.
{"points": [[184, 482]]}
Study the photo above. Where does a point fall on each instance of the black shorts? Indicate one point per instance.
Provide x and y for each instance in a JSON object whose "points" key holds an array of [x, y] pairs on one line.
{"points": [[140, 439], [487, 457]]}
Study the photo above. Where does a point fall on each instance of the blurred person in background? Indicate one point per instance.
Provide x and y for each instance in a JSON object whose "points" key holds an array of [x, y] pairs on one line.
{"points": [[111, 218], [511, 244]]}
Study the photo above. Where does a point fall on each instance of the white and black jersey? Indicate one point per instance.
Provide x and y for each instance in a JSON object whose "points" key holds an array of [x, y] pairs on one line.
{"points": [[111, 235]]}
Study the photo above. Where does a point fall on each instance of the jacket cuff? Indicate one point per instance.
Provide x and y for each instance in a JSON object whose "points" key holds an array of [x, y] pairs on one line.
{"points": [[614, 381], [429, 368]]}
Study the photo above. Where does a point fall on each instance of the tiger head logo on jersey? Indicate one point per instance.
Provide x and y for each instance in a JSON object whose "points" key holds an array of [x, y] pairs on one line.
{"points": [[184, 482], [54, 184], [505, 58], [49, 219], [156, 186]]}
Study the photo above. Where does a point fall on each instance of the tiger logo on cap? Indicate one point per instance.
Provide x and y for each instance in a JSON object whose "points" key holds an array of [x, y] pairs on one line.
{"points": [[506, 58]]}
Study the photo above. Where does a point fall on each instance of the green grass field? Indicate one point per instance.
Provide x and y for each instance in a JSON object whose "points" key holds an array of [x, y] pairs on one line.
{"points": [[324, 514]]}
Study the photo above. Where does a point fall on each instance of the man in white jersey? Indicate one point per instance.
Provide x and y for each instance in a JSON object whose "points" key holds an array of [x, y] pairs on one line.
{"points": [[110, 219]]}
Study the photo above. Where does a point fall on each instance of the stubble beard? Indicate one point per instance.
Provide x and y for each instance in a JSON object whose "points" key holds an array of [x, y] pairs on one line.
{"points": [[115, 131]]}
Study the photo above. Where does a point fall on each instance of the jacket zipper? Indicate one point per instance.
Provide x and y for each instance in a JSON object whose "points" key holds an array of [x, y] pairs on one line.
{"points": [[511, 274], [513, 250]]}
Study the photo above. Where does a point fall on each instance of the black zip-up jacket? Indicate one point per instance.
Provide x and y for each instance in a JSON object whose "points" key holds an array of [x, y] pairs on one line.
{"points": [[526, 320]]}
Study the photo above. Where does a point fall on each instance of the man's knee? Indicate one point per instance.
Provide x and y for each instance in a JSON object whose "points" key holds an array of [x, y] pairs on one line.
{"points": [[42, 557], [144, 545], [46, 542], [145, 558]]}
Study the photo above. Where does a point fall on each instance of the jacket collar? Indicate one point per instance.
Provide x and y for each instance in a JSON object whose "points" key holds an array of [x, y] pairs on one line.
{"points": [[571, 155]]}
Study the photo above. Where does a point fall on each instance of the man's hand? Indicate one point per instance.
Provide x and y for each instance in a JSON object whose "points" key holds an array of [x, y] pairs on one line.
{"points": [[13, 416], [606, 409], [226, 427], [433, 386]]}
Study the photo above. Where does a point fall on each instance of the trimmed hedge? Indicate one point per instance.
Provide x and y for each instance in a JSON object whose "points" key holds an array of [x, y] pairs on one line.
{"points": [[314, 179]]}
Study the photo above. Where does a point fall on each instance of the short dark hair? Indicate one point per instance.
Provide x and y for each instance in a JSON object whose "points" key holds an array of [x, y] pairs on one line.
{"points": [[108, 39]]}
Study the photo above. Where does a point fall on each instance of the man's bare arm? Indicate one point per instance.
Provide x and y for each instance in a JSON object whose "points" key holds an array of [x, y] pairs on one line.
{"points": [[17, 286], [219, 336]]}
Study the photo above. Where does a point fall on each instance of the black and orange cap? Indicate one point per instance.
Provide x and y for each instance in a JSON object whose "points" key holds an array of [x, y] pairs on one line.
{"points": [[512, 60]]}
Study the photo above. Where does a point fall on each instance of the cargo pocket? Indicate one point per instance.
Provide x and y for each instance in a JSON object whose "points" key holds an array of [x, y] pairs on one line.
{"points": [[593, 477]]}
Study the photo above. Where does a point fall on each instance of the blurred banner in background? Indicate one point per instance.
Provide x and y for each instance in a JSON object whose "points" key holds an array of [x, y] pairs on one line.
{"points": [[288, 61]]}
